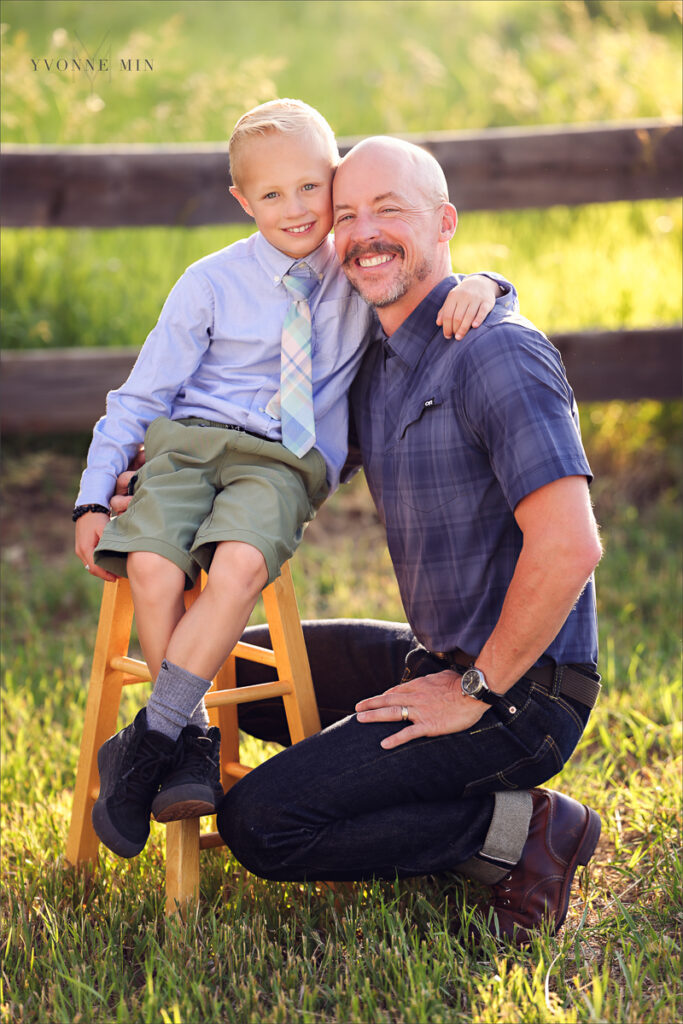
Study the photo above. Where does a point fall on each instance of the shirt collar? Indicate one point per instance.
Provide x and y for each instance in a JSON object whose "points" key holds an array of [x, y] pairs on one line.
{"points": [[411, 339], [276, 263]]}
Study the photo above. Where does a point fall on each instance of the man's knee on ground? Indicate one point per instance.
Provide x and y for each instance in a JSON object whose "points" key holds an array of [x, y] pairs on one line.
{"points": [[259, 838]]}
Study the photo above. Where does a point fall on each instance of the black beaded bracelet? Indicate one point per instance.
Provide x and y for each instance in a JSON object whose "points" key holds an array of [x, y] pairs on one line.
{"points": [[81, 510]]}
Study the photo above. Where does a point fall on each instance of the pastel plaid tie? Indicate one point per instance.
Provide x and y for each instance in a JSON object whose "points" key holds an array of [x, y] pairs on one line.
{"points": [[296, 388]]}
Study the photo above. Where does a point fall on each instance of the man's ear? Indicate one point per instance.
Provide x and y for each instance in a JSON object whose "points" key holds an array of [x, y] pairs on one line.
{"points": [[449, 222], [234, 191]]}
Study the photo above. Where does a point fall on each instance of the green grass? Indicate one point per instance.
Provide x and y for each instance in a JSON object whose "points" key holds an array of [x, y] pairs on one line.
{"points": [[65, 288], [98, 949], [369, 65]]}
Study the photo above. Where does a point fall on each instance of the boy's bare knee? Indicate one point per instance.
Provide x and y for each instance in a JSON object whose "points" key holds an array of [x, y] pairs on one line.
{"points": [[240, 564], [154, 573]]}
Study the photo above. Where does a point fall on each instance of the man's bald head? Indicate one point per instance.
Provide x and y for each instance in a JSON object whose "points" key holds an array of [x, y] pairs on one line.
{"points": [[426, 172]]}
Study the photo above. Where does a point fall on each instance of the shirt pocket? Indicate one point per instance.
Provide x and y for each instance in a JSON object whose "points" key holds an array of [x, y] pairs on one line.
{"points": [[423, 464]]}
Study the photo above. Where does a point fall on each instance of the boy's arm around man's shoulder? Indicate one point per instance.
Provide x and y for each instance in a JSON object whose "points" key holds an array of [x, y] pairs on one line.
{"points": [[468, 304]]}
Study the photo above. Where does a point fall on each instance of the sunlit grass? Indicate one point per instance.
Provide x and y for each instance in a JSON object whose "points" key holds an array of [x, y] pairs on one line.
{"points": [[591, 266], [98, 949]]}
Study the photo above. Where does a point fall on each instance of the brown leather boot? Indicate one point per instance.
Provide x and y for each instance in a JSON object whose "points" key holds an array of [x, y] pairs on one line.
{"points": [[562, 834]]}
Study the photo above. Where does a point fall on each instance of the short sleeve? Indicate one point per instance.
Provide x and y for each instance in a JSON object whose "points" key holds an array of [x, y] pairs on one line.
{"points": [[517, 405]]}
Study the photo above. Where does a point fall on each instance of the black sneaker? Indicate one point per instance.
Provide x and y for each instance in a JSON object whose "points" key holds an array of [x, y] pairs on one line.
{"points": [[131, 764], [194, 787]]}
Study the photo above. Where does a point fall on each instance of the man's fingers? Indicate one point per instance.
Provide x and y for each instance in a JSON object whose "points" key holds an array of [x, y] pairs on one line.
{"points": [[122, 482], [381, 713], [119, 503], [411, 732]]}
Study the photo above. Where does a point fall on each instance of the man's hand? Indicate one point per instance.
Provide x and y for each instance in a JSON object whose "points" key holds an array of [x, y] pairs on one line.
{"points": [[121, 499], [435, 704], [467, 305], [89, 529]]}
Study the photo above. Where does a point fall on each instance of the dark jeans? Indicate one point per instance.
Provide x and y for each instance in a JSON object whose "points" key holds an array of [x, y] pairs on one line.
{"points": [[338, 806]]}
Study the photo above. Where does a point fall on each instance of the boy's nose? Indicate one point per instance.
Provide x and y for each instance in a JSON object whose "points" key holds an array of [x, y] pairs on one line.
{"points": [[295, 206]]}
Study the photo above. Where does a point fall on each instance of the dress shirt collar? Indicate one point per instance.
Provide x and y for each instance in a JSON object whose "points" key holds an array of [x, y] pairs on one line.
{"points": [[276, 263], [410, 340]]}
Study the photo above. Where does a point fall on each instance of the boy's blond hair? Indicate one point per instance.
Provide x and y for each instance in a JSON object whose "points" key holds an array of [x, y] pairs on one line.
{"points": [[290, 117]]}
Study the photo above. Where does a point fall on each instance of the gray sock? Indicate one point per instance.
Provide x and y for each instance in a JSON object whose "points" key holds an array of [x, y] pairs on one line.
{"points": [[175, 698], [200, 716]]}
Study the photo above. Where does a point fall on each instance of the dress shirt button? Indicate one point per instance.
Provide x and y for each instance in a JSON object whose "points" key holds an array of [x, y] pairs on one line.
{"points": [[275, 280]]}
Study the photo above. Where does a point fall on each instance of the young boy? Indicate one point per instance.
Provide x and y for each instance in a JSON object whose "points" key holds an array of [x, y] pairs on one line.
{"points": [[240, 393]]}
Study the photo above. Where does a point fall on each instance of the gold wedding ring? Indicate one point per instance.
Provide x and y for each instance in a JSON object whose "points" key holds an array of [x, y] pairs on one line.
{"points": [[404, 714]]}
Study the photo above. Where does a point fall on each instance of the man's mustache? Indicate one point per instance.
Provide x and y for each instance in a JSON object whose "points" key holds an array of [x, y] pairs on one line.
{"points": [[374, 248]]}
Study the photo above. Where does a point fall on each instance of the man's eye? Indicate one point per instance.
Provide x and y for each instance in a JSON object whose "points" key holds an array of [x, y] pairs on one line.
{"points": [[343, 217], [389, 209]]}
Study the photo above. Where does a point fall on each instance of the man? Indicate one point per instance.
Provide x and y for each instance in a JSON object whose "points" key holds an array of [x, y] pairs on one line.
{"points": [[473, 456], [474, 460]]}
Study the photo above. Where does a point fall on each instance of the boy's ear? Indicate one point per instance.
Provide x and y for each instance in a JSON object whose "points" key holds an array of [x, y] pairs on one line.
{"points": [[234, 191]]}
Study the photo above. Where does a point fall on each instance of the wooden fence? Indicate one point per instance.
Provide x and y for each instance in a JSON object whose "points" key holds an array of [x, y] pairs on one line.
{"points": [[106, 186]]}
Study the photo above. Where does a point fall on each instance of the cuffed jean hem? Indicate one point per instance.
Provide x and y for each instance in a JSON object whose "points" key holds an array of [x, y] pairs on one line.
{"points": [[504, 841]]}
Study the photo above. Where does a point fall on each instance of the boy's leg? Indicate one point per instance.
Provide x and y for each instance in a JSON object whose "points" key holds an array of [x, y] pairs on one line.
{"points": [[210, 629], [157, 586], [201, 642]]}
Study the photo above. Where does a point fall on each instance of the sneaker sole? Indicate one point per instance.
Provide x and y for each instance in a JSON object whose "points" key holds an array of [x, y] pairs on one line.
{"points": [[108, 834], [187, 801], [184, 809]]}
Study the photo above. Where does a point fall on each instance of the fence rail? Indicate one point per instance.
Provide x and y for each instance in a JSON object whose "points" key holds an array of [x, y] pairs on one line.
{"points": [[499, 169], [111, 186], [64, 390]]}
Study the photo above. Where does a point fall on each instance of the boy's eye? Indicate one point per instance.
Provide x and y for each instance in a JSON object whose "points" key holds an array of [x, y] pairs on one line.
{"points": [[309, 186], [270, 195]]}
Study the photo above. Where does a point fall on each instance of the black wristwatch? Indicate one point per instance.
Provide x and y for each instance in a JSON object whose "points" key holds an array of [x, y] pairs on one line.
{"points": [[473, 684]]}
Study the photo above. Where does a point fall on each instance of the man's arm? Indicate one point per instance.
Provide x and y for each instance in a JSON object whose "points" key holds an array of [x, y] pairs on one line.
{"points": [[560, 549]]}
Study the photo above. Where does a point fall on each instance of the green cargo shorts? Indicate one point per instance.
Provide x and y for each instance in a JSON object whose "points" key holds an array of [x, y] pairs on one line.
{"points": [[202, 484]]}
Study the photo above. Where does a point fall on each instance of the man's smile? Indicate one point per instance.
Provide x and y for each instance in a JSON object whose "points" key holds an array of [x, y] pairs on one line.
{"points": [[375, 255]]}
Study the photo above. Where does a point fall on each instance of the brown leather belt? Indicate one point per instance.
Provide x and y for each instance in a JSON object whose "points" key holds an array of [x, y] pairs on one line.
{"points": [[572, 683]]}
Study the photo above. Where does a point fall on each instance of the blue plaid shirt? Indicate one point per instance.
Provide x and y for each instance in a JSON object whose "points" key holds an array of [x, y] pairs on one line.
{"points": [[453, 435]]}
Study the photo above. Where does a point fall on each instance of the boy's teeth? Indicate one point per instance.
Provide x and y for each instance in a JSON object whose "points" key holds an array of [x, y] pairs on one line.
{"points": [[297, 231], [374, 261]]}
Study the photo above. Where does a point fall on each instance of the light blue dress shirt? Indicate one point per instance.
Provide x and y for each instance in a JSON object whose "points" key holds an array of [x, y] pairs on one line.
{"points": [[215, 353]]}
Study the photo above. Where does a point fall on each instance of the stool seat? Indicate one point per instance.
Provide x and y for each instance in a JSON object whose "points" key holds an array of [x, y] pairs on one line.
{"points": [[113, 668]]}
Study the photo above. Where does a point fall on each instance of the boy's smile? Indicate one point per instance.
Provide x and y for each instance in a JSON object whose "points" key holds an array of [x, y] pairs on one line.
{"points": [[286, 186]]}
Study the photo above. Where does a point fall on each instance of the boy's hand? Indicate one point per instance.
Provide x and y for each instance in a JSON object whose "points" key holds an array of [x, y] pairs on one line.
{"points": [[89, 529], [467, 305]]}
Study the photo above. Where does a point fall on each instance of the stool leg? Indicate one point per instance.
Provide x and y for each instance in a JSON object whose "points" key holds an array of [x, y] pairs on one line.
{"points": [[287, 638], [104, 697], [182, 864]]}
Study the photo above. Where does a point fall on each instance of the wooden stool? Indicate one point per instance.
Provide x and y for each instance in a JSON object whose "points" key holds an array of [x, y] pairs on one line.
{"points": [[112, 669]]}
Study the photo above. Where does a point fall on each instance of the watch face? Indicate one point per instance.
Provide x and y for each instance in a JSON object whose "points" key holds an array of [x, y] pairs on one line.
{"points": [[472, 682]]}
